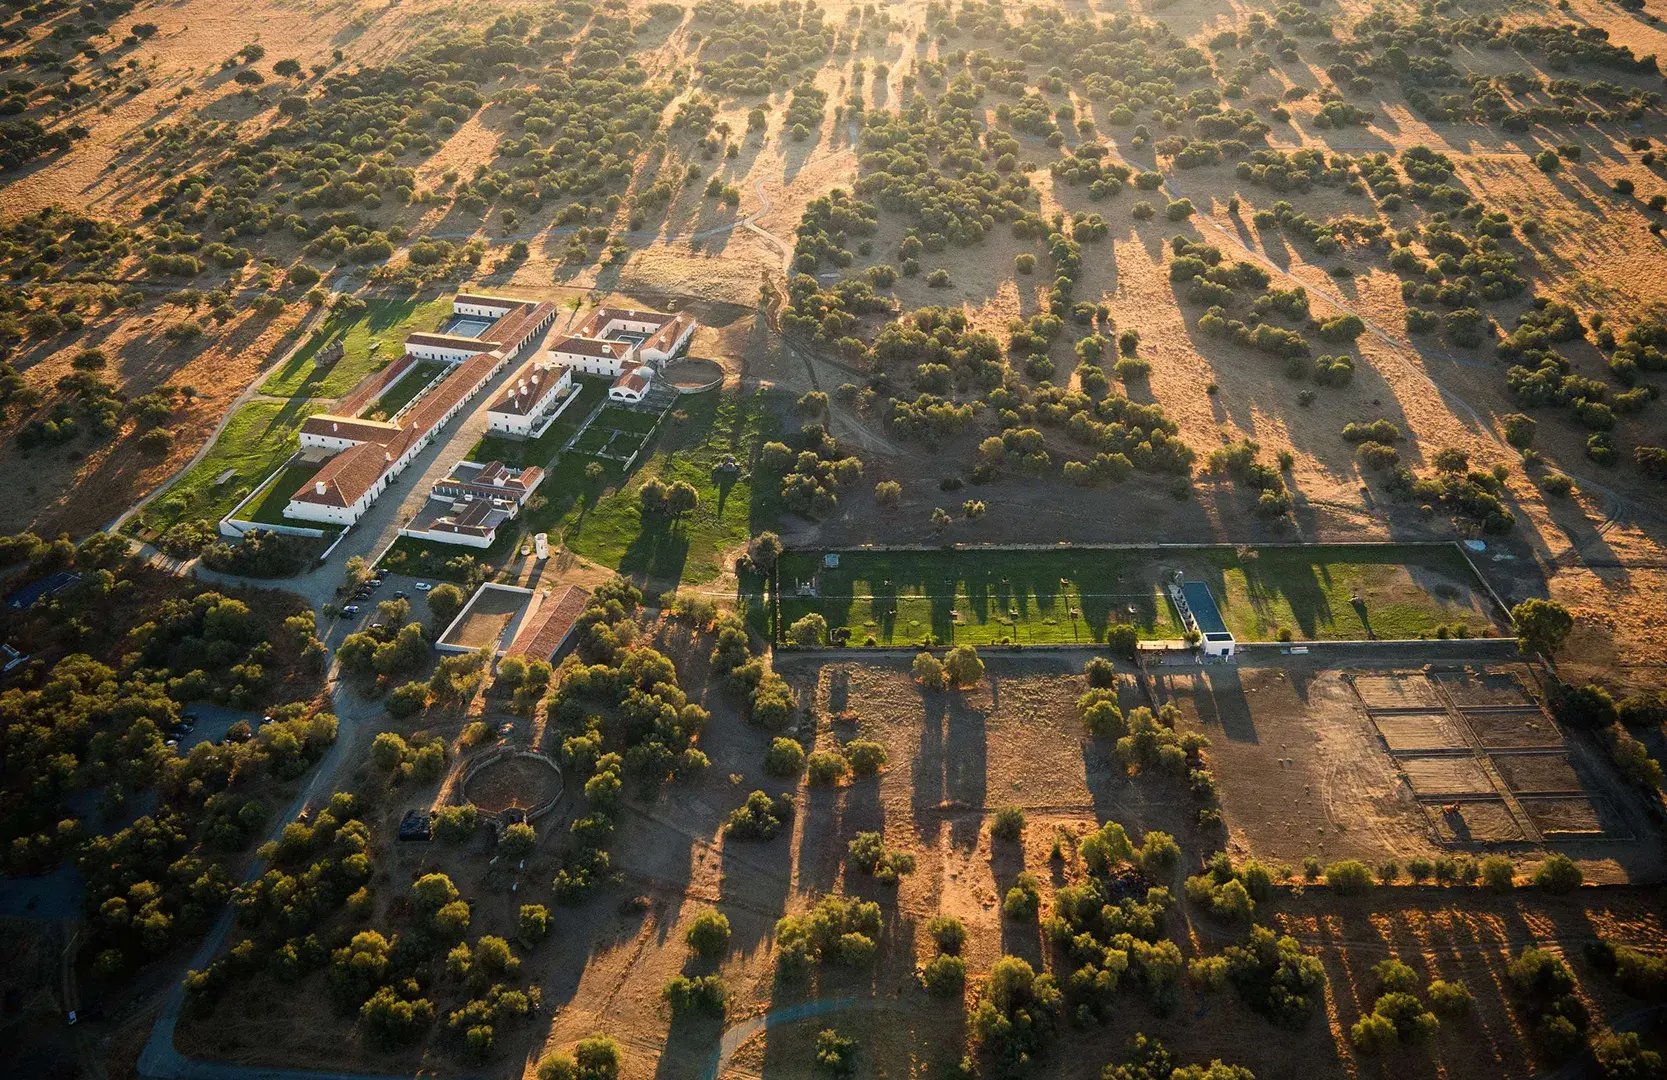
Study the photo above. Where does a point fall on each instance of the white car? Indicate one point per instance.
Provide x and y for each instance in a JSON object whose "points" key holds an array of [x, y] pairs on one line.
{"points": [[422, 586]]}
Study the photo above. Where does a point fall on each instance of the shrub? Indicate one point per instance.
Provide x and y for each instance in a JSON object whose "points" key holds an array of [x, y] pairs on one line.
{"points": [[708, 934], [760, 817], [865, 757], [929, 671], [944, 976], [1498, 874], [1009, 823], [701, 993], [1024, 899], [1621, 1055], [594, 1058], [784, 758], [826, 768], [869, 854], [1558, 874], [1449, 999], [962, 666], [948, 933], [1349, 877], [835, 1054], [1394, 976], [518, 840]]}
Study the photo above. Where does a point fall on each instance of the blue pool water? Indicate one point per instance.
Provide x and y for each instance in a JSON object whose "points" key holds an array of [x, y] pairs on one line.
{"points": [[1203, 607], [470, 326]]}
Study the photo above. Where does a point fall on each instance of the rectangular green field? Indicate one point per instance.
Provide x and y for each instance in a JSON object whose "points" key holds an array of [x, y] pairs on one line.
{"points": [[1070, 595], [267, 507], [409, 386], [383, 322], [633, 420]]}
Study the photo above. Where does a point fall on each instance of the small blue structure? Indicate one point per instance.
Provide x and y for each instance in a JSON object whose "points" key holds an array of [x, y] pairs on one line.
{"points": [[29, 595], [1200, 615]]}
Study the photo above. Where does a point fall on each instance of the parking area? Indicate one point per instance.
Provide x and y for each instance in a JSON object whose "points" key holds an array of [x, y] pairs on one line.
{"points": [[357, 607]]}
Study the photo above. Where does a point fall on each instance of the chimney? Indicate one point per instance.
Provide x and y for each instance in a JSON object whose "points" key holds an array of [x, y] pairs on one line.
{"points": [[320, 487]]}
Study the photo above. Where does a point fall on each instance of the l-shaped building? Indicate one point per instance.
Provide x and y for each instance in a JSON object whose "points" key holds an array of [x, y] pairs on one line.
{"points": [[477, 340]]}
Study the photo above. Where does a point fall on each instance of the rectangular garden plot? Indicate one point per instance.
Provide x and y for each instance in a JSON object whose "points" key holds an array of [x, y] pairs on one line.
{"points": [[1438, 777], [1483, 687], [1509, 729], [1531, 773], [1569, 817], [1475, 821], [1405, 733], [1399, 690]]}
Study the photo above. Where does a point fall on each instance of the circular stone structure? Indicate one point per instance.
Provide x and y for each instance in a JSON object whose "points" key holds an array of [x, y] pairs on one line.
{"points": [[691, 375], [513, 785]]}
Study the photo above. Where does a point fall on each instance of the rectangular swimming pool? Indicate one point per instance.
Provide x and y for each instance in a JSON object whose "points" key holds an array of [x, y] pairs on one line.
{"points": [[469, 326], [1203, 607]]}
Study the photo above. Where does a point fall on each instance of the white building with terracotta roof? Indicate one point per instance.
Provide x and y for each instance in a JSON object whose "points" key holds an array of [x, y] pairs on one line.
{"points": [[532, 401], [626, 345], [468, 506], [370, 453]]}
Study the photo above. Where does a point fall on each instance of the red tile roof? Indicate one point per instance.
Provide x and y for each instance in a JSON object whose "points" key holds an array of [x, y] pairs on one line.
{"points": [[344, 479], [549, 626], [518, 402]]}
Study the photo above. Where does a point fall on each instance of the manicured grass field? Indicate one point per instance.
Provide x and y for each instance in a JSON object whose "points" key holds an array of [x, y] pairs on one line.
{"points": [[421, 374], [619, 418], [1069, 595], [384, 321], [602, 518], [259, 436], [606, 521], [268, 506]]}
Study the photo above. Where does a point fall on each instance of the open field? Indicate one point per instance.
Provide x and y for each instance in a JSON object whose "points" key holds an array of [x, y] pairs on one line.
{"points": [[1071, 596], [409, 386], [372, 337], [268, 504], [1320, 756], [259, 436]]}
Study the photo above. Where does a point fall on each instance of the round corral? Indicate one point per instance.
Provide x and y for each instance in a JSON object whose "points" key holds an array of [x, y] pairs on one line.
{"points": [[692, 374], [519, 785]]}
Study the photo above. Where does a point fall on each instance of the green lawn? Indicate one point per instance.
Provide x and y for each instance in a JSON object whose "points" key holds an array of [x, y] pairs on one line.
{"points": [[519, 453], [267, 507], [400, 394], [601, 518], [1069, 595], [259, 436], [383, 321], [620, 418]]}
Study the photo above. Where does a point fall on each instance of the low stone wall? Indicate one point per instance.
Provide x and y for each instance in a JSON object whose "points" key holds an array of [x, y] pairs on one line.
{"points": [[501, 754]]}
